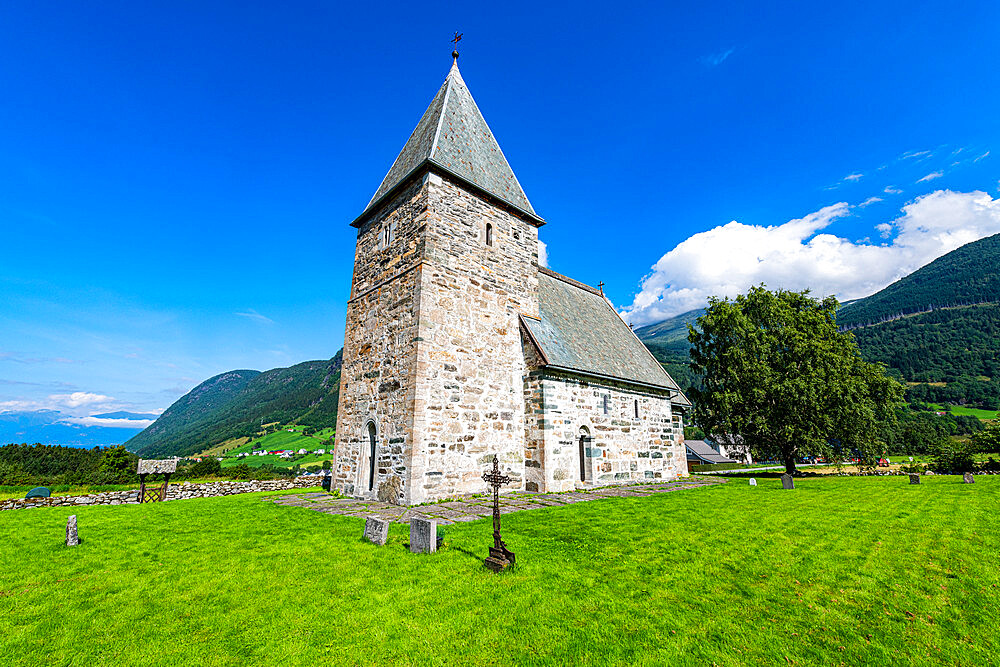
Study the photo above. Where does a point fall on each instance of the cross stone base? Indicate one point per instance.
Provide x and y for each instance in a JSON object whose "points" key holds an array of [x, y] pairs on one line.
{"points": [[499, 559]]}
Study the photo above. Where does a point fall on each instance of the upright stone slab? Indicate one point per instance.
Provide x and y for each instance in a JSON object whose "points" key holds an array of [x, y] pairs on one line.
{"points": [[787, 482], [753, 482], [914, 479], [968, 479], [423, 536], [72, 537], [376, 530]]}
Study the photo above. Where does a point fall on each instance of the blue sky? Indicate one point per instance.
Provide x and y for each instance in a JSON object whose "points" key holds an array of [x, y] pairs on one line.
{"points": [[177, 179]]}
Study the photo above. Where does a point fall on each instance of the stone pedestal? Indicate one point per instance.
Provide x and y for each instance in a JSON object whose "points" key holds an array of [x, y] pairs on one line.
{"points": [[967, 478], [423, 536], [787, 482], [376, 531], [499, 559], [914, 479], [72, 537]]}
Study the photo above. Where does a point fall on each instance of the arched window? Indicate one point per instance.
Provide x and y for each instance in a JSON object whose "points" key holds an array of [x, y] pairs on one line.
{"points": [[371, 456], [489, 234], [584, 445]]}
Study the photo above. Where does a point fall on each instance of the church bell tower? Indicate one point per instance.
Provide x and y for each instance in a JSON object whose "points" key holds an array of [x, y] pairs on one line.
{"points": [[432, 385]]}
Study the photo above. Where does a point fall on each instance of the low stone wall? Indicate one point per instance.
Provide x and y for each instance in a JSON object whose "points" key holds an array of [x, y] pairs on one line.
{"points": [[181, 491]]}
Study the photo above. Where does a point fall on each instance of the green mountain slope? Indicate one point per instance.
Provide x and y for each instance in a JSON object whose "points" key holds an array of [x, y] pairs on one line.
{"points": [[966, 276], [670, 334], [234, 404]]}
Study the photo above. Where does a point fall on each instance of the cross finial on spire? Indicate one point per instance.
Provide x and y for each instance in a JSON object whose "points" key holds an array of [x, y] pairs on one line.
{"points": [[455, 40], [600, 286]]}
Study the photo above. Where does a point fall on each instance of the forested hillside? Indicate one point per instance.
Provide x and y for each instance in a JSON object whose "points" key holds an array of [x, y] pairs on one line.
{"points": [[236, 403]]}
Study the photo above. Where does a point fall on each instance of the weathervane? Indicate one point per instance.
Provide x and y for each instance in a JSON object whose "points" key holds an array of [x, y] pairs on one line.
{"points": [[455, 40]]}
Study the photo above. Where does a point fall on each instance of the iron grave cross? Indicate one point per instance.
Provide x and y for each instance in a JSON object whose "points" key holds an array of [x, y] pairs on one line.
{"points": [[500, 556]]}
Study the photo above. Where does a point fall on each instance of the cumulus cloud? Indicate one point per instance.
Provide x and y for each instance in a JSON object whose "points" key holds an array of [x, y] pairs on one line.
{"points": [[727, 260], [543, 254], [931, 176], [80, 399]]}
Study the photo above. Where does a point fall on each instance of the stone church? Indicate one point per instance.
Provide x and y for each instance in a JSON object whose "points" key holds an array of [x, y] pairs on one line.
{"points": [[459, 346]]}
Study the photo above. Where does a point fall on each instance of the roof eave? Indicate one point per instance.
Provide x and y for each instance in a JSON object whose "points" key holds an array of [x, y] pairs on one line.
{"points": [[429, 164], [638, 383]]}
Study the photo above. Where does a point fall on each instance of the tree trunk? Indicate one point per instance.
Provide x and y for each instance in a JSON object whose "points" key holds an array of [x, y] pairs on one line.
{"points": [[790, 465]]}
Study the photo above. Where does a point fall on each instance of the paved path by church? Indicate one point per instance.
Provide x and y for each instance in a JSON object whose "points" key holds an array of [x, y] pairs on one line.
{"points": [[473, 507]]}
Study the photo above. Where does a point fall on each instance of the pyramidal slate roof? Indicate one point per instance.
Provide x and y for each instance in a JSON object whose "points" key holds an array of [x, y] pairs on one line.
{"points": [[453, 136], [578, 330]]}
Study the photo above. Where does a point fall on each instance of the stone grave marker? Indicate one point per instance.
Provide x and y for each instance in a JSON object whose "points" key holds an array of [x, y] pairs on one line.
{"points": [[967, 478], [787, 482], [376, 530], [72, 537], [423, 536], [753, 482], [914, 478]]}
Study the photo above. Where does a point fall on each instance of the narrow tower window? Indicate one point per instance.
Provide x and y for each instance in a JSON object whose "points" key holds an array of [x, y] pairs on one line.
{"points": [[607, 404], [371, 464], [489, 234], [637, 408]]}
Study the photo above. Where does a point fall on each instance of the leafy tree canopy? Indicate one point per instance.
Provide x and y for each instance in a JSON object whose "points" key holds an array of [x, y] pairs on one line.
{"points": [[776, 372]]}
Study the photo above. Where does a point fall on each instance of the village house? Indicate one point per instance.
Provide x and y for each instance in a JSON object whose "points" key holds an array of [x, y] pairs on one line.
{"points": [[460, 347]]}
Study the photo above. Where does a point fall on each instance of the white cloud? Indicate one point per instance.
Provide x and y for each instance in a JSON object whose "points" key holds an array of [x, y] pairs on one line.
{"points": [[890, 190], [252, 314], [853, 177], [727, 260], [916, 155], [80, 399], [543, 254], [715, 59], [109, 422], [981, 156], [869, 201], [931, 176]]}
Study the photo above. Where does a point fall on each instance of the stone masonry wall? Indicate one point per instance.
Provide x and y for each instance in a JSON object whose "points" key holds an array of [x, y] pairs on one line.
{"points": [[623, 448], [182, 491], [469, 403], [377, 378]]}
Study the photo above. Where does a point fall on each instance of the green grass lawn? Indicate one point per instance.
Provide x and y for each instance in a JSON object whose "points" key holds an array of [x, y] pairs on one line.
{"points": [[841, 570], [283, 439]]}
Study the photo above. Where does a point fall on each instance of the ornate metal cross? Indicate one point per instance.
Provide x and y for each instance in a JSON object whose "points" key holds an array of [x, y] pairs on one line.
{"points": [[456, 39], [500, 556]]}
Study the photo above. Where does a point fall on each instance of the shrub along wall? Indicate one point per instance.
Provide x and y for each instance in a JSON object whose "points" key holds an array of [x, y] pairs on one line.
{"points": [[182, 491]]}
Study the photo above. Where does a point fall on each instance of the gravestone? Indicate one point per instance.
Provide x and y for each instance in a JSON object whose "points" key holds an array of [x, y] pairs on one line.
{"points": [[72, 537], [914, 479], [423, 536], [787, 482], [753, 482], [967, 478], [376, 530], [326, 482]]}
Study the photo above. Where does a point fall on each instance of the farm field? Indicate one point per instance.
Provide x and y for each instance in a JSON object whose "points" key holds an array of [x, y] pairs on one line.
{"points": [[840, 570], [287, 437]]}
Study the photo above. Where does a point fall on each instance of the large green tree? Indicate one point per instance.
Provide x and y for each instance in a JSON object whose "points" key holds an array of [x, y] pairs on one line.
{"points": [[777, 373]]}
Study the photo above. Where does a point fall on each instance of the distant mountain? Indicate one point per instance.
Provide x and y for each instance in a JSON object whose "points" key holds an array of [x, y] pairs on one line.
{"points": [[670, 334], [50, 427], [125, 415], [236, 403]]}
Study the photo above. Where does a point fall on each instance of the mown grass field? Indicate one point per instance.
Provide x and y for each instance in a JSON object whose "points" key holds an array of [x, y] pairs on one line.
{"points": [[288, 437], [839, 571]]}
